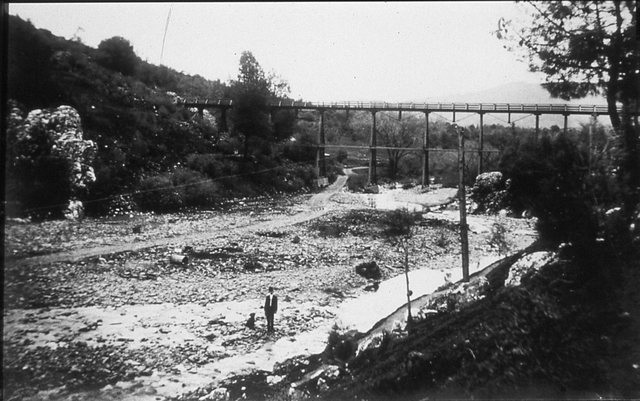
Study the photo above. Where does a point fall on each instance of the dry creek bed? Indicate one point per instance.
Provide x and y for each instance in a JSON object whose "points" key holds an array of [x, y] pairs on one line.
{"points": [[130, 325]]}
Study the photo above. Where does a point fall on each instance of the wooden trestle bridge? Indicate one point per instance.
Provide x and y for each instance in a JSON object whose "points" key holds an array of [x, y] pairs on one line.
{"points": [[373, 107]]}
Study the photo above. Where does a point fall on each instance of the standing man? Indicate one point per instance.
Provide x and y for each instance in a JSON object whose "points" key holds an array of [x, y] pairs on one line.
{"points": [[270, 309]]}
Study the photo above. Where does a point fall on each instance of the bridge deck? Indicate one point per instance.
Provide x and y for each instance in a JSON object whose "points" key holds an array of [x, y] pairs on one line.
{"points": [[514, 108]]}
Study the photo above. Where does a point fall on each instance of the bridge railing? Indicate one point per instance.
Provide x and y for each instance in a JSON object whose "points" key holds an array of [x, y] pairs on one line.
{"points": [[424, 107]]}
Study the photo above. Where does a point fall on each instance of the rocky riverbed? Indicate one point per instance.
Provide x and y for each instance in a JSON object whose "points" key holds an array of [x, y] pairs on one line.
{"points": [[108, 316]]}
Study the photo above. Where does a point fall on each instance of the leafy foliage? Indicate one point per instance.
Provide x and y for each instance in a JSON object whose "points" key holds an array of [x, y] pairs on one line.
{"points": [[117, 54], [127, 107], [251, 116], [589, 47], [401, 133], [49, 162], [549, 178]]}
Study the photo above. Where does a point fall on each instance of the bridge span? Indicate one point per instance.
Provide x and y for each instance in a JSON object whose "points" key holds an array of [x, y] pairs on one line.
{"points": [[374, 107]]}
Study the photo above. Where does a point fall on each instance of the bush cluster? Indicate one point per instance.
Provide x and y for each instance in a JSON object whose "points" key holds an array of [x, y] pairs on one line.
{"points": [[551, 178], [175, 191]]}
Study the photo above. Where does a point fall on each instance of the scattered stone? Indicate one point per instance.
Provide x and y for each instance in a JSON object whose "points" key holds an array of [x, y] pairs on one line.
{"points": [[371, 189], [179, 259], [219, 394], [369, 270]]}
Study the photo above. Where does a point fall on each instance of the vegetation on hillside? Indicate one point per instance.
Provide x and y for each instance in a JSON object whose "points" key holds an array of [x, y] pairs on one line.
{"points": [[148, 148], [152, 155]]}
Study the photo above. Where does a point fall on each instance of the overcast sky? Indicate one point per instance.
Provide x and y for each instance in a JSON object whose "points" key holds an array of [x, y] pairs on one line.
{"points": [[326, 51]]}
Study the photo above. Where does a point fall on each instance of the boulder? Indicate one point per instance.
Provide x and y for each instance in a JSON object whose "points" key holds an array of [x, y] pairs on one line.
{"points": [[457, 296], [369, 270], [219, 394], [532, 262], [490, 192], [490, 181], [74, 210]]}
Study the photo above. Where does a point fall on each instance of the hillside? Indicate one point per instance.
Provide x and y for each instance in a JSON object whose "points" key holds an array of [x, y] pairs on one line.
{"points": [[144, 141]]}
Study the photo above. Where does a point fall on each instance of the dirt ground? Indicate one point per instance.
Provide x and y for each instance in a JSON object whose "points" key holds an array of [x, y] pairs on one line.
{"points": [[94, 309]]}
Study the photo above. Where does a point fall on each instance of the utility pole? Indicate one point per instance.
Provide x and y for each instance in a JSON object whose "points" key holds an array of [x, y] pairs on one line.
{"points": [[464, 239]]}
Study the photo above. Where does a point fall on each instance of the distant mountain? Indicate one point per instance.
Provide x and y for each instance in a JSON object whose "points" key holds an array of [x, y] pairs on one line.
{"points": [[525, 93], [517, 92]]}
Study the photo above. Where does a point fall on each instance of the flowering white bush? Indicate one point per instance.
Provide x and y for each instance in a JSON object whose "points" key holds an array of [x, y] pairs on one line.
{"points": [[62, 128], [49, 163]]}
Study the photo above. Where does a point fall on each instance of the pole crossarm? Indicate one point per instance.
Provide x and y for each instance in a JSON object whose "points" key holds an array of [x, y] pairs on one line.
{"points": [[510, 108]]}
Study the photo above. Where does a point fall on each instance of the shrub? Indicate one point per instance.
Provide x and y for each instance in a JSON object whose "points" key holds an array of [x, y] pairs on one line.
{"points": [[117, 54], [549, 178], [207, 164], [195, 189], [157, 194], [341, 347], [342, 156], [302, 150], [399, 222], [498, 238], [357, 182]]}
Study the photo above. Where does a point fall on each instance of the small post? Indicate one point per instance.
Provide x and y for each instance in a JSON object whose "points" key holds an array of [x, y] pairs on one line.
{"points": [[425, 151], [372, 160], [537, 126], [566, 118], [405, 247], [464, 239]]}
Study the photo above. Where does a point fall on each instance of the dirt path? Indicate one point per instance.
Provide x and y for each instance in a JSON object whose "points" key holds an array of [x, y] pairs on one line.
{"points": [[312, 210]]}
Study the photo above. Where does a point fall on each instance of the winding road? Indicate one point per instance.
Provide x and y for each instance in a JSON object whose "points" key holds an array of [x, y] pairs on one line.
{"points": [[314, 208]]}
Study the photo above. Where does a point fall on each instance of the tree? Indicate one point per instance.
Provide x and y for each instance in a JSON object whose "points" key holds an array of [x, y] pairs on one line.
{"points": [[117, 54], [588, 47], [399, 231], [399, 133], [251, 93]]}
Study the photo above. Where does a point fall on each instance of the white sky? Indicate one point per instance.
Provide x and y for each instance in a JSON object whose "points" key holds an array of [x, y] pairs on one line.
{"points": [[326, 51]]}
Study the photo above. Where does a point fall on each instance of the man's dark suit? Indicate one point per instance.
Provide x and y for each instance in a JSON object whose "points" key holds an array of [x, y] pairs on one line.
{"points": [[270, 308]]}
